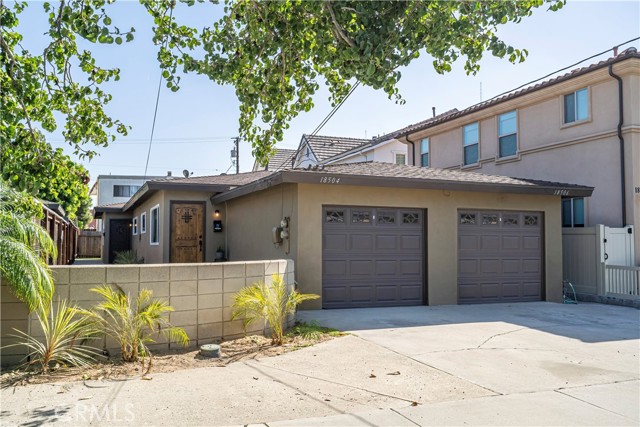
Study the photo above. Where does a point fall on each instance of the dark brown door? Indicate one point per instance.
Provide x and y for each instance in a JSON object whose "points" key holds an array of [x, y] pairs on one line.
{"points": [[499, 256], [372, 257], [187, 232], [119, 237]]}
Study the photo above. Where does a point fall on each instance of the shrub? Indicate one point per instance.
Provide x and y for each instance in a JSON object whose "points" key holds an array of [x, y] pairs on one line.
{"points": [[65, 331], [313, 331], [133, 322], [127, 257], [271, 303]]}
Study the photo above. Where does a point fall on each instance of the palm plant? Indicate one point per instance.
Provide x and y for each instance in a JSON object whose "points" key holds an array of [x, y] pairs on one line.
{"points": [[24, 249], [133, 322], [128, 257], [65, 332], [271, 303]]}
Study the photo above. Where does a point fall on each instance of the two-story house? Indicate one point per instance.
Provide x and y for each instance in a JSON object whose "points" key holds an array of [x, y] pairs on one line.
{"points": [[581, 127], [319, 149]]}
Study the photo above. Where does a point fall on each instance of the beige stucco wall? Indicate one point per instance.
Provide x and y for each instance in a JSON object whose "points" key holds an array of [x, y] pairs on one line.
{"points": [[586, 153], [141, 243], [249, 222], [441, 231], [201, 295]]}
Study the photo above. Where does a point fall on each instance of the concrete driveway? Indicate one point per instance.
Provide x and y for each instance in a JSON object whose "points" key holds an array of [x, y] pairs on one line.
{"points": [[504, 364]]}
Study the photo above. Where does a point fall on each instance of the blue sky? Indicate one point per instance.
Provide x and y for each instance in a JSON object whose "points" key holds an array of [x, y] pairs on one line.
{"points": [[195, 125]]}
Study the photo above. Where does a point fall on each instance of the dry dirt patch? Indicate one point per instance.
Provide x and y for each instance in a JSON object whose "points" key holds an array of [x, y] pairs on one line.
{"points": [[246, 348]]}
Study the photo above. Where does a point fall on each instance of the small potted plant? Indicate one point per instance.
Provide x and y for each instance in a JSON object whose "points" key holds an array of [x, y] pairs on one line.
{"points": [[219, 254]]}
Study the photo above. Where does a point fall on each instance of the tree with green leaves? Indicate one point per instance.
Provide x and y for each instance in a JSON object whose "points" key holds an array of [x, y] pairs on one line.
{"points": [[47, 174], [275, 54], [24, 249]]}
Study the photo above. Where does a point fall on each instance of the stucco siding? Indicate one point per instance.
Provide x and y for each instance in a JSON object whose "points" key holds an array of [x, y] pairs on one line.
{"points": [[250, 220], [152, 254], [442, 207]]}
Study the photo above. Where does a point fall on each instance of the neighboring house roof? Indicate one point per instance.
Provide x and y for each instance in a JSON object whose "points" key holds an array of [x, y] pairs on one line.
{"points": [[454, 114], [281, 159], [404, 176], [325, 147], [213, 183], [142, 177], [111, 207]]}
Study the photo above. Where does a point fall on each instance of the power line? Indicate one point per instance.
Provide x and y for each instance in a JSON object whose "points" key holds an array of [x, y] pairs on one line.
{"points": [[155, 111]]}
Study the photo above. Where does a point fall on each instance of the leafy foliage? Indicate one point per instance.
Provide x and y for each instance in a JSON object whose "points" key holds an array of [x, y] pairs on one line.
{"points": [[128, 257], [275, 54], [270, 303], [32, 165], [65, 332], [133, 322], [24, 249]]}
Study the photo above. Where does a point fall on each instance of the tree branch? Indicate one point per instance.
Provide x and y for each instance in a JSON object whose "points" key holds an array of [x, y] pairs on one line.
{"points": [[340, 31]]}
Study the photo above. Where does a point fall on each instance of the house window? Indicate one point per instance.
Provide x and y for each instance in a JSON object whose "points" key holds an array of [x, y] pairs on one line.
{"points": [[576, 106], [143, 223], [125, 190], [154, 230], [401, 159], [135, 226], [470, 143], [573, 212], [424, 150], [508, 134]]}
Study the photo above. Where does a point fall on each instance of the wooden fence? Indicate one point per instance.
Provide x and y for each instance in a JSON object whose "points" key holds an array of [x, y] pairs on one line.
{"points": [[90, 244], [64, 234]]}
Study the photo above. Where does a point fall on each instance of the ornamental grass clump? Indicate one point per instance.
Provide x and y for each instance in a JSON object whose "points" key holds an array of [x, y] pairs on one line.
{"points": [[66, 330], [133, 322], [271, 303]]}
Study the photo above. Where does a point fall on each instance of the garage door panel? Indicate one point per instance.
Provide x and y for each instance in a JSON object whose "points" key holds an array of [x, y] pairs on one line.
{"points": [[361, 267], [335, 268], [335, 242], [363, 242], [411, 243], [531, 242], [386, 242], [499, 256], [372, 257], [386, 267]]}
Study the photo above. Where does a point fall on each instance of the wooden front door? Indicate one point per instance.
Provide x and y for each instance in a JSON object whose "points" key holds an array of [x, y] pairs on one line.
{"points": [[187, 231]]}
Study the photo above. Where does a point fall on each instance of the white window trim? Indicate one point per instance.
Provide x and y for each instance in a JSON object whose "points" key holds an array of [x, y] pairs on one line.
{"points": [[428, 165], [564, 125], [517, 133], [135, 225], [151, 242], [477, 163], [143, 224], [395, 157]]}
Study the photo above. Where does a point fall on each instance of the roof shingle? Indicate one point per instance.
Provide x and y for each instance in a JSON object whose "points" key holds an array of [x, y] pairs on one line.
{"points": [[325, 147]]}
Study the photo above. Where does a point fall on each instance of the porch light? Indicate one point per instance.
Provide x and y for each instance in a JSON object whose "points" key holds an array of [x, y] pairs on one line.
{"points": [[216, 214]]}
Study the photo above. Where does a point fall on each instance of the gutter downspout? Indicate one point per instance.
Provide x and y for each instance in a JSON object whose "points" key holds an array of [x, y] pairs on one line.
{"points": [[621, 139], [413, 149]]}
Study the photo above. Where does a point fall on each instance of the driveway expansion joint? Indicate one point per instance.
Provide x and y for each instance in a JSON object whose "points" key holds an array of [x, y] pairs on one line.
{"points": [[594, 405]]}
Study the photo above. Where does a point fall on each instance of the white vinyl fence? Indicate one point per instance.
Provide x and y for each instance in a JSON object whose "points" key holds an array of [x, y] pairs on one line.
{"points": [[600, 261]]}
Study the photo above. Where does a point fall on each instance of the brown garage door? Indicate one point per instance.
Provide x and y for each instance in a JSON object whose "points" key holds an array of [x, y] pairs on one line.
{"points": [[499, 256], [372, 257]]}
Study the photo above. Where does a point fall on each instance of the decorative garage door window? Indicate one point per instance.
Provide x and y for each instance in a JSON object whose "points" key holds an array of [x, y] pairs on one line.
{"points": [[372, 257], [500, 256]]}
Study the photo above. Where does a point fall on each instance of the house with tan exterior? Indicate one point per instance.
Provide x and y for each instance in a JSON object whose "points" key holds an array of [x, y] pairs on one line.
{"points": [[365, 234], [581, 127]]}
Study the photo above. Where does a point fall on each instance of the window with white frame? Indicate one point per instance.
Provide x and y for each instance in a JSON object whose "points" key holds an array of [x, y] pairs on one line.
{"points": [[576, 106], [508, 134], [135, 226], [573, 212], [424, 153], [471, 143], [154, 226], [401, 158], [143, 223]]}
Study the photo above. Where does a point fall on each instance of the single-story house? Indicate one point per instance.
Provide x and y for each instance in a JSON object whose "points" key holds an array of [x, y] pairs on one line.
{"points": [[364, 234]]}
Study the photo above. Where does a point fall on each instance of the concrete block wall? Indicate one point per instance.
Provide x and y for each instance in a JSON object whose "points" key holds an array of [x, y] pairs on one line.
{"points": [[200, 294]]}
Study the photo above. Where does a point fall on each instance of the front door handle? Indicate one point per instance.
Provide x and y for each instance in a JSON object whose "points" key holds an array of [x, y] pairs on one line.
{"points": [[200, 244]]}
